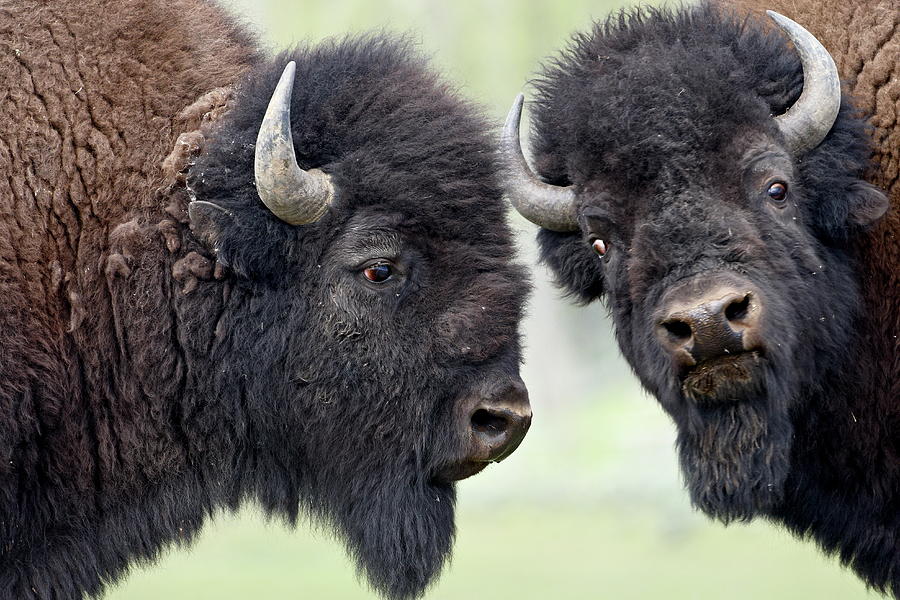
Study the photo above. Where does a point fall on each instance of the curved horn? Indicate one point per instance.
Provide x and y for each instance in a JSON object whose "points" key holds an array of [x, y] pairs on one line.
{"points": [[808, 121], [293, 195], [550, 206]]}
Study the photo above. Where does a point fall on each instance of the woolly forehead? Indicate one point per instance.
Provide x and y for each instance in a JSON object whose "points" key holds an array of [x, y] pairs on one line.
{"points": [[392, 135], [654, 92]]}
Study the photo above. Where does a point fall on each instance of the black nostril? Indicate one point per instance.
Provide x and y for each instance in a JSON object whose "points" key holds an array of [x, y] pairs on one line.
{"points": [[496, 422], [488, 422], [737, 310], [678, 331]]}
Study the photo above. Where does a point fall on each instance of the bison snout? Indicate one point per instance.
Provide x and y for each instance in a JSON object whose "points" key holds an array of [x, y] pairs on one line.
{"points": [[498, 423], [492, 424], [697, 326]]}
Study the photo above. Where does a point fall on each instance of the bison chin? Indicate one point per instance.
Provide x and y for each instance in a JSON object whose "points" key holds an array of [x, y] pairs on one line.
{"points": [[399, 532], [735, 456], [724, 379]]}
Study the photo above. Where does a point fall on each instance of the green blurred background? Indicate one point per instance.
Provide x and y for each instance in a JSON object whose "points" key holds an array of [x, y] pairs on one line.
{"points": [[591, 505]]}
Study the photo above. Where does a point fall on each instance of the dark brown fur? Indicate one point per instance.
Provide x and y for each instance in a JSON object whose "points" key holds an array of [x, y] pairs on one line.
{"points": [[88, 112]]}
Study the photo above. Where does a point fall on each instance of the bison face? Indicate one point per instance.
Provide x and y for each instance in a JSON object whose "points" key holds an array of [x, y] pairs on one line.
{"points": [[368, 341], [717, 236], [728, 306], [404, 380]]}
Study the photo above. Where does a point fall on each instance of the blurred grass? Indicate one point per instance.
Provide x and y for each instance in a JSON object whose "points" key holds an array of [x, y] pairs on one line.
{"points": [[522, 552], [591, 505], [489, 47]]}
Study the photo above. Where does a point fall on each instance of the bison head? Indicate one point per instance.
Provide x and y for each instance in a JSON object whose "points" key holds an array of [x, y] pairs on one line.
{"points": [[705, 180], [363, 348]]}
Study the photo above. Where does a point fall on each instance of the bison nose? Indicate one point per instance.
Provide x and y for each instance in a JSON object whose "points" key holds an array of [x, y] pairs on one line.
{"points": [[720, 321], [498, 422]]}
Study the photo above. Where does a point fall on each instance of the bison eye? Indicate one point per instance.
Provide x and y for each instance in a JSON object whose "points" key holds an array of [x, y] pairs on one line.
{"points": [[599, 247], [777, 192], [378, 273]]}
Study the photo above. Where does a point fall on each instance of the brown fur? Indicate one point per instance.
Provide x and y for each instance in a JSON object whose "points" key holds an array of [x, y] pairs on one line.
{"points": [[88, 111]]}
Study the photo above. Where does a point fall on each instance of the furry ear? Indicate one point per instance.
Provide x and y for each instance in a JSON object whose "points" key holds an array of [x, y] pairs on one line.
{"points": [[575, 265], [867, 204], [208, 223], [247, 242]]}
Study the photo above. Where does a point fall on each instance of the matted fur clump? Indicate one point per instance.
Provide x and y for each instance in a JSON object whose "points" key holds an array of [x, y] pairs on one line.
{"points": [[155, 367]]}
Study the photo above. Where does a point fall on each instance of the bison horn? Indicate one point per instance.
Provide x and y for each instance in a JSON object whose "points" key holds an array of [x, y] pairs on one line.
{"points": [[808, 121], [550, 206], [293, 195]]}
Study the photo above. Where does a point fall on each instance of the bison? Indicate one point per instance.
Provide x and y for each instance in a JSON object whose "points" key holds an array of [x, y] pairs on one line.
{"points": [[228, 277], [717, 191]]}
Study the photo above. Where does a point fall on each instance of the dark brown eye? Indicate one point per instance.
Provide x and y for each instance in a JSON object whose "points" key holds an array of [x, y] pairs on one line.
{"points": [[599, 247], [378, 273], [777, 192]]}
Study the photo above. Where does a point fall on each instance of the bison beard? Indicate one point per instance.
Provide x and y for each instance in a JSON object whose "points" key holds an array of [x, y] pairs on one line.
{"points": [[402, 559], [735, 456]]}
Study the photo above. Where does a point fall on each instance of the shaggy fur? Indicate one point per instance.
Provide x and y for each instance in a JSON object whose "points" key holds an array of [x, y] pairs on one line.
{"points": [[662, 121], [153, 369]]}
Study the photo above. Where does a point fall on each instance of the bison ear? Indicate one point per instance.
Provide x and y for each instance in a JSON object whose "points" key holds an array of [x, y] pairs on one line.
{"points": [[867, 204], [208, 222], [249, 247], [575, 265]]}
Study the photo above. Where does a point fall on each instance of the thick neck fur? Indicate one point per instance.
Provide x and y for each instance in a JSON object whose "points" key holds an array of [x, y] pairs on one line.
{"points": [[70, 470]]}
